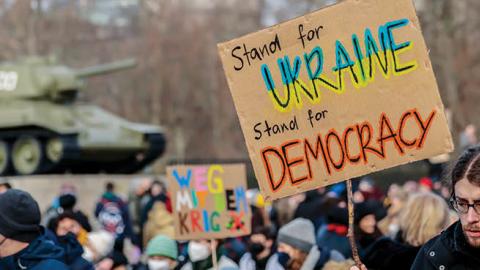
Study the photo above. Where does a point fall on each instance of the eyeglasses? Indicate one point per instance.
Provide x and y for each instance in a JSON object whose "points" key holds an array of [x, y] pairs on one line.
{"points": [[462, 206]]}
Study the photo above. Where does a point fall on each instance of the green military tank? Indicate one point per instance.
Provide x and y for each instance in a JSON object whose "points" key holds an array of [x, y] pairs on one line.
{"points": [[43, 130]]}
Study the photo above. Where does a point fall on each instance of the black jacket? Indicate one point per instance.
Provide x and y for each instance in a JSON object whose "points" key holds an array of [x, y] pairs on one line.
{"points": [[448, 251], [390, 254]]}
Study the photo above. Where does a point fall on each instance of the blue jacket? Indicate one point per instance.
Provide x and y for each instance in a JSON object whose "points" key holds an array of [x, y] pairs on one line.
{"points": [[41, 254], [73, 253]]}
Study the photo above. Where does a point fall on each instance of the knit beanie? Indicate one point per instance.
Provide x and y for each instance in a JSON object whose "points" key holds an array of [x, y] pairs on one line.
{"points": [[368, 208], [67, 201], [19, 216], [337, 215], [298, 233], [162, 245]]}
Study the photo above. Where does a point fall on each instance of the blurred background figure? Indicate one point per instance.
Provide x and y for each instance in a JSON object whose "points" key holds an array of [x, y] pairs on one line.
{"points": [[333, 234], [72, 237], [366, 230], [297, 248], [311, 207], [56, 208], [368, 190], [198, 256], [410, 186], [112, 214], [162, 254], [138, 198], [67, 204], [99, 245], [261, 246], [468, 137], [114, 261], [424, 216], [425, 184], [395, 201], [157, 215], [260, 210]]}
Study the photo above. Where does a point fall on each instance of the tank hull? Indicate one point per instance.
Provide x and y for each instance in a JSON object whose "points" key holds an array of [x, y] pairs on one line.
{"points": [[72, 138]]}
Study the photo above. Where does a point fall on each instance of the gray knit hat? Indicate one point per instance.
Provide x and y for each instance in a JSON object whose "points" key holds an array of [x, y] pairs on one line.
{"points": [[298, 233]]}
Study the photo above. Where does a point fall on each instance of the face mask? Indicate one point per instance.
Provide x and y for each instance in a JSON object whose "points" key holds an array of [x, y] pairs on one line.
{"points": [[283, 258], [256, 248], [158, 265], [197, 251]]}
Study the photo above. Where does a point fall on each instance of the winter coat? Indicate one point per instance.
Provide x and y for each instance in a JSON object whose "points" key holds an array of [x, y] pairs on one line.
{"points": [[224, 263], [387, 253], [316, 259], [41, 254], [159, 221], [448, 251], [334, 240], [73, 253], [247, 262]]}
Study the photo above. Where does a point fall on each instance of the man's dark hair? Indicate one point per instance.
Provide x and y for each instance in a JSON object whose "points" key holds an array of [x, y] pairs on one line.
{"points": [[110, 187], [467, 166]]}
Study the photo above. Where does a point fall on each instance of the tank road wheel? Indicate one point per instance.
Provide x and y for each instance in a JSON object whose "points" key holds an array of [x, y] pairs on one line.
{"points": [[54, 150], [27, 155], [4, 157]]}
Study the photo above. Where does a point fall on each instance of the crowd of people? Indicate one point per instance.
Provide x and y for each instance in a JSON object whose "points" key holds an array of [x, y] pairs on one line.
{"points": [[424, 224]]}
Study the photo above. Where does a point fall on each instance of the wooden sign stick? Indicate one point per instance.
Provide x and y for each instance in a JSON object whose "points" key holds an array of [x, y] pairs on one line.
{"points": [[351, 216]]}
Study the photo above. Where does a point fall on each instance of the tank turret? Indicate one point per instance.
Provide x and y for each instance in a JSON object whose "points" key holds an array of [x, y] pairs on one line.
{"points": [[42, 129], [43, 78]]}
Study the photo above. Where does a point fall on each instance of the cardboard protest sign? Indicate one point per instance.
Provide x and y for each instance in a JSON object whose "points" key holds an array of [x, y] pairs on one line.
{"points": [[335, 94], [209, 201]]}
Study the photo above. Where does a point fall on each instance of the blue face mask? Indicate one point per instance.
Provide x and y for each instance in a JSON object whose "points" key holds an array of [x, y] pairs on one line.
{"points": [[283, 258]]}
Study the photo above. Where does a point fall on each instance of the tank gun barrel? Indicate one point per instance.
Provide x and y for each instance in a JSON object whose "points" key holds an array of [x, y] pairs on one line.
{"points": [[106, 68]]}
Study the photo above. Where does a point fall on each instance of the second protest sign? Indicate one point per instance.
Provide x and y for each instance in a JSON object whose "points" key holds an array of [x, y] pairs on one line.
{"points": [[209, 201]]}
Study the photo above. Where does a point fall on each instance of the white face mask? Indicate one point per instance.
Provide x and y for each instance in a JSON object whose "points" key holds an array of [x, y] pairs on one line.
{"points": [[158, 265], [197, 251]]}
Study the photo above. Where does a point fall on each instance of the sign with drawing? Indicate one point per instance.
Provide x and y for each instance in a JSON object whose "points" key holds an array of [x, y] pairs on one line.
{"points": [[209, 201]]}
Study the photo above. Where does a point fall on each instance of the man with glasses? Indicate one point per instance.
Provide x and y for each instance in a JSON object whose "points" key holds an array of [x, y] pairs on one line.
{"points": [[458, 247]]}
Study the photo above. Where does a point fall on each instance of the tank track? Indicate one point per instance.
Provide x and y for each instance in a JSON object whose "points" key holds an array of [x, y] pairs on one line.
{"points": [[72, 161]]}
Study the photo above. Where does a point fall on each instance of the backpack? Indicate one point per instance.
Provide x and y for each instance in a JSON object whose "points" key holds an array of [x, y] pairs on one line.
{"points": [[111, 217]]}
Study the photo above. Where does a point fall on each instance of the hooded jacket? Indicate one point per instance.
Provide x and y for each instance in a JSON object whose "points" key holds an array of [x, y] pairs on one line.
{"points": [[41, 254], [448, 251]]}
